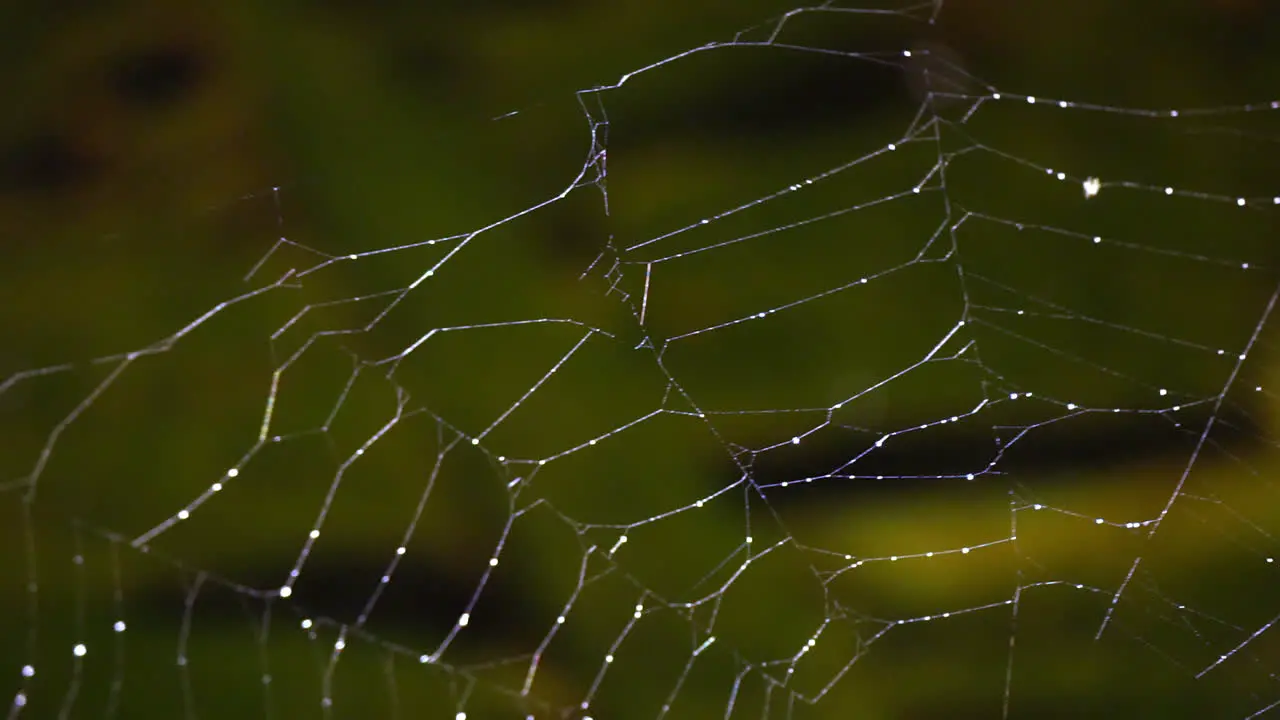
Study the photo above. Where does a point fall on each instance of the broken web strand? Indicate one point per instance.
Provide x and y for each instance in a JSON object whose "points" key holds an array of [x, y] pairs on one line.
{"points": [[80, 649], [118, 626], [652, 275], [31, 587]]}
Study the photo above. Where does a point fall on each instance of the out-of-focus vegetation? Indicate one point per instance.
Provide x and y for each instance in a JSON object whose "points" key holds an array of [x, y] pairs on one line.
{"points": [[153, 153]]}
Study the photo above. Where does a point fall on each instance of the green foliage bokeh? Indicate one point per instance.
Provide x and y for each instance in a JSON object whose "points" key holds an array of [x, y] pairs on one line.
{"points": [[347, 130]]}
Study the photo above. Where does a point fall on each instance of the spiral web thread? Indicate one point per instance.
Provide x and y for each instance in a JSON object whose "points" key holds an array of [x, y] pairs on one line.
{"points": [[719, 285]]}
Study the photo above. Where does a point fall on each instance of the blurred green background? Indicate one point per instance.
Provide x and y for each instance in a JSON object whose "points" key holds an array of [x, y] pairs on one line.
{"points": [[159, 162]]}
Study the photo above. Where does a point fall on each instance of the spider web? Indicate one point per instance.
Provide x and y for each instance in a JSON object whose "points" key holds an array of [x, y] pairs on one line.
{"points": [[954, 405]]}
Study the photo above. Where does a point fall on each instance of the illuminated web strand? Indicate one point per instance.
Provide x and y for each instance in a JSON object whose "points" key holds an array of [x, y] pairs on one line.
{"points": [[1195, 454], [705, 647]]}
